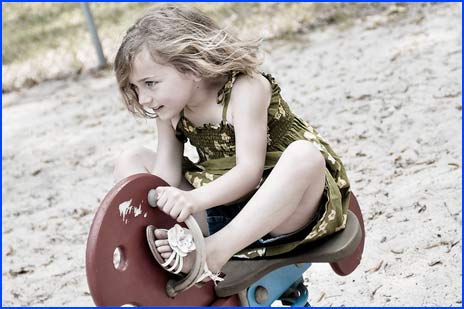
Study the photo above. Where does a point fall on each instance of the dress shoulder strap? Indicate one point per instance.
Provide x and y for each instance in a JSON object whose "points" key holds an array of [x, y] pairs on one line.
{"points": [[224, 93]]}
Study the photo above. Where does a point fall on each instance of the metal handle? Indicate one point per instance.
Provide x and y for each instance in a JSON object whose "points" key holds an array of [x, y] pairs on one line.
{"points": [[152, 197]]}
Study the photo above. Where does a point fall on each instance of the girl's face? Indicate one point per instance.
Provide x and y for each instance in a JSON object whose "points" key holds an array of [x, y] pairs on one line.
{"points": [[160, 88]]}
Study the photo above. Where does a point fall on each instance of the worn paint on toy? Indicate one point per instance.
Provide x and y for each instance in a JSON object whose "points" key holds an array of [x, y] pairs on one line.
{"points": [[125, 209]]}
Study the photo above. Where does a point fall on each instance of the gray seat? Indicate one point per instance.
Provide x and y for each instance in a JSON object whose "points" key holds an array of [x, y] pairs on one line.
{"points": [[241, 273]]}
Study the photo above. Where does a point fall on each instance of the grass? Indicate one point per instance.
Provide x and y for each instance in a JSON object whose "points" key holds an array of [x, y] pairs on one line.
{"points": [[50, 40], [32, 28]]}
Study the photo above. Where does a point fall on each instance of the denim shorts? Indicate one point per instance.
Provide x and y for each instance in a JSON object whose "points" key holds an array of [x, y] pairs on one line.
{"points": [[220, 216]]}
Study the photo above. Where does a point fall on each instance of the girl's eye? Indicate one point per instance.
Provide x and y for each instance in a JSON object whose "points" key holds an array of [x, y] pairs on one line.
{"points": [[150, 83]]}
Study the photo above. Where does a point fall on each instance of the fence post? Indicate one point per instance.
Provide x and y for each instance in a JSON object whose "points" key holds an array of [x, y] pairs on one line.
{"points": [[93, 33]]}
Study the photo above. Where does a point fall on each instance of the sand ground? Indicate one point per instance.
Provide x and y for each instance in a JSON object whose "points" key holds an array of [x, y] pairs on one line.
{"points": [[385, 91]]}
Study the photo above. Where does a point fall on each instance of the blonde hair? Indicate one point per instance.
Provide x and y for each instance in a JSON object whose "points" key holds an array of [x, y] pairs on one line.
{"points": [[188, 40]]}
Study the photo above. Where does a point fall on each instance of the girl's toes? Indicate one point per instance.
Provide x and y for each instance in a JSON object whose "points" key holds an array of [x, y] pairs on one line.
{"points": [[164, 249], [166, 255], [161, 242], [161, 234]]}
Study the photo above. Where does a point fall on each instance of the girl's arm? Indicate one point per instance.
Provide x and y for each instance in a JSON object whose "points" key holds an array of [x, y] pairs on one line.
{"points": [[250, 99], [168, 164]]}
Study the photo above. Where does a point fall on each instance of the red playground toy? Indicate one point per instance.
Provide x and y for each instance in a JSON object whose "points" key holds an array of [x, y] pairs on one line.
{"points": [[121, 269]]}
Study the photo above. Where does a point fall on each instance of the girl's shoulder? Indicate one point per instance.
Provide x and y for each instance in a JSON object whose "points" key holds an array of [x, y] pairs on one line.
{"points": [[256, 82], [247, 87], [255, 89]]}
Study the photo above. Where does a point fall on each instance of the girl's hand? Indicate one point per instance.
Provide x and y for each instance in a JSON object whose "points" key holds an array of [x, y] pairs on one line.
{"points": [[176, 203]]}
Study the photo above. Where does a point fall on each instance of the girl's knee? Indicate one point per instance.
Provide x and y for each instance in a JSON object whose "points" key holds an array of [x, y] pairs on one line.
{"points": [[305, 156], [136, 153], [133, 160]]}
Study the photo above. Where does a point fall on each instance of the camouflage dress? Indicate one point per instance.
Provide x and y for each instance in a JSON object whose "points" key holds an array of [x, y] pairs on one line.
{"points": [[215, 145]]}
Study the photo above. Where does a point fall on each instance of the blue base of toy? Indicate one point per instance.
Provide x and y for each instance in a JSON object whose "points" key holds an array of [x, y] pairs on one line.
{"points": [[284, 284]]}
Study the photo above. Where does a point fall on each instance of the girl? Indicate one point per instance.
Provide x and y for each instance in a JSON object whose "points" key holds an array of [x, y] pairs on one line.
{"points": [[265, 181]]}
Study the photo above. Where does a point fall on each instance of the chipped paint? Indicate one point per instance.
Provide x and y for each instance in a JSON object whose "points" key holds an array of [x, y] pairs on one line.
{"points": [[138, 210], [124, 209]]}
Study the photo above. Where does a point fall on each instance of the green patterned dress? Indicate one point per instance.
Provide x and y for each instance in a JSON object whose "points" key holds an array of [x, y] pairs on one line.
{"points": [[215, 145]]}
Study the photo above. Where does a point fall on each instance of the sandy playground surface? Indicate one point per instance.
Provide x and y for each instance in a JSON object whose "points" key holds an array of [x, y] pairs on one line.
{"points": [[385, 92]]}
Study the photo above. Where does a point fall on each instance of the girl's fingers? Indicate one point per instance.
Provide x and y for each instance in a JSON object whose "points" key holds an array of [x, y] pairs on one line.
{"points": [[169, 203], [161, 198], [183, 215], [168, 206], [174, 213]]}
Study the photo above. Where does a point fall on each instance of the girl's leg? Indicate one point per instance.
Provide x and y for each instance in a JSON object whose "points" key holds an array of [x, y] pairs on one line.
{"points": [[142, 160], [286, 201]]}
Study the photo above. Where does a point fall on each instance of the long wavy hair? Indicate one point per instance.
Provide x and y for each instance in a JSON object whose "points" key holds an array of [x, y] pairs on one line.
{"points": [[188, 40]]}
